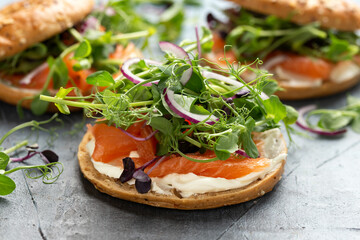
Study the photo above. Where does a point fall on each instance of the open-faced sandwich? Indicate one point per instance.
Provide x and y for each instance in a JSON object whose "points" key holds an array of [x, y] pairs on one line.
{"points": [[309, 46], [178, 135], [46, 44]]}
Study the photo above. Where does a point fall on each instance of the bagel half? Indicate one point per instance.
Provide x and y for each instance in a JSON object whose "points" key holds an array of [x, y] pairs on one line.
{"points": [[27, 22], [327, 88], [338, 14], [209, 200]]}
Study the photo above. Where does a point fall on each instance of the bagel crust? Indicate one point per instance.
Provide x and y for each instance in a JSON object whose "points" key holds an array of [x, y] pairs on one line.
{"points": [[128, 192], [337, 14], [327, 88], [27, 22], [13, 95]]}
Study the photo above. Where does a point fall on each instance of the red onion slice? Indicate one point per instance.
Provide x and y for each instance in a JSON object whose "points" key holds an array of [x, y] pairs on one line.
{"points": [[230, 81], [184, 113], [198, 42], [270, 63], [125, 70], [27, 79], [301, 122], [179, 53], [140, 139]]}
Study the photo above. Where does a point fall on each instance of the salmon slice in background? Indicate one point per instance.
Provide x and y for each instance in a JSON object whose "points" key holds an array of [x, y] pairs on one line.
{"points": [[79, 77], [112, 145], [297, 64], [307, 66]]}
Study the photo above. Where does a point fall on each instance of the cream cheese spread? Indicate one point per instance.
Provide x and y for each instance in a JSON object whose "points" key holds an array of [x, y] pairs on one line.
{"points": [[189, 184]]}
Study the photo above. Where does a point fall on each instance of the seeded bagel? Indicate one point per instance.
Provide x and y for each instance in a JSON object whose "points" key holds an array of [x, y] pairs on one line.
{"points": [[27, 22], [338, 14], [113, 187]]}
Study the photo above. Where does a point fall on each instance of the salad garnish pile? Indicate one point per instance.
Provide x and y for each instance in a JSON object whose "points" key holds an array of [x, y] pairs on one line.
{"points": [[255, 35], [50, 171], [190, 107]]}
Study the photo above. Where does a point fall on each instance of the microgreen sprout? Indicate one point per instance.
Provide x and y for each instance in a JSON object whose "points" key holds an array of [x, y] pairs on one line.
{"points": [[256, 35], [331, 121], [49, 172]]}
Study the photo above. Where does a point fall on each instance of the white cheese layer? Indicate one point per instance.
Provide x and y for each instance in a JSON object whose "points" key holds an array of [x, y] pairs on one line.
{"points": [[343, 71], [189, 184]]}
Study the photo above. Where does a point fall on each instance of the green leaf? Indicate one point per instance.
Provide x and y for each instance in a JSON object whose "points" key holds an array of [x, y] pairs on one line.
{"points": [[155, 93], [7, 185], [39, 107], [196, 82], [60, 72], [101, 79], [275, 109], [171, 22], [63, 108], [247, 141], [222, 155], [249, 104], [162, 124], [198, 109], [334, 120], [141, 94], [4, 160], [340, 49], [82, 64], [291, 115], [83, 51], [269, 87], [353, 101], [355, 125], [115, 102], [227, 144]]}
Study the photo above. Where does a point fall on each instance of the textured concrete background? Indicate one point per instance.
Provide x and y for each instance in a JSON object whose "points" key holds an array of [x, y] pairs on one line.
{"points": [[318, 197]]}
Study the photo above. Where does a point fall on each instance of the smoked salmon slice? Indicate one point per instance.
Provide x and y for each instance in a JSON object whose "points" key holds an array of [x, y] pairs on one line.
{"points": [[297, 64], [112, 145], [78, 77]]}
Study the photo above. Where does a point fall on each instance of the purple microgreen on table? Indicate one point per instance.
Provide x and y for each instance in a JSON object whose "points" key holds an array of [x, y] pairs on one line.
{"points": [[49, 172]]}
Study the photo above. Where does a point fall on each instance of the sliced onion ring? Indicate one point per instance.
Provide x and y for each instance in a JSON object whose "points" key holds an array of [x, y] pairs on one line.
{"points": [[30, 75], [179, 53], [182, 112], [125, 70], [198, 42], [230, 81], [301, 122], [270, 63]]}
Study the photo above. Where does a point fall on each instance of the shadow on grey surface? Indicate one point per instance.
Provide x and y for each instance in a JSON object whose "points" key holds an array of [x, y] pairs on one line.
{"points": [[4, 202]]}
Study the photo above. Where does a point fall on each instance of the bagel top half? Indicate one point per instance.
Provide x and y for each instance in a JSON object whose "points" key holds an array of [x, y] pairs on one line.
{"points": [[342, 15], [28, 22]]}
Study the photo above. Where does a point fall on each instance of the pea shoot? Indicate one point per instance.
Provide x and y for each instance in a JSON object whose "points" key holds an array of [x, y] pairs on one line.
{"points": [[254, 35], [331, 121], [49, 172]]}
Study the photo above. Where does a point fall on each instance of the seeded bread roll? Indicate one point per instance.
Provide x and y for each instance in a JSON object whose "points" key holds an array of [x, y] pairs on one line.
{"points": [[128, 192], [27, 22], [342, 15]]}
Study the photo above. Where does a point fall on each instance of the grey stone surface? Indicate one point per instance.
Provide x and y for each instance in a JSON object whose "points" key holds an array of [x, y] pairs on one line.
{"points": [[317, 198]]}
